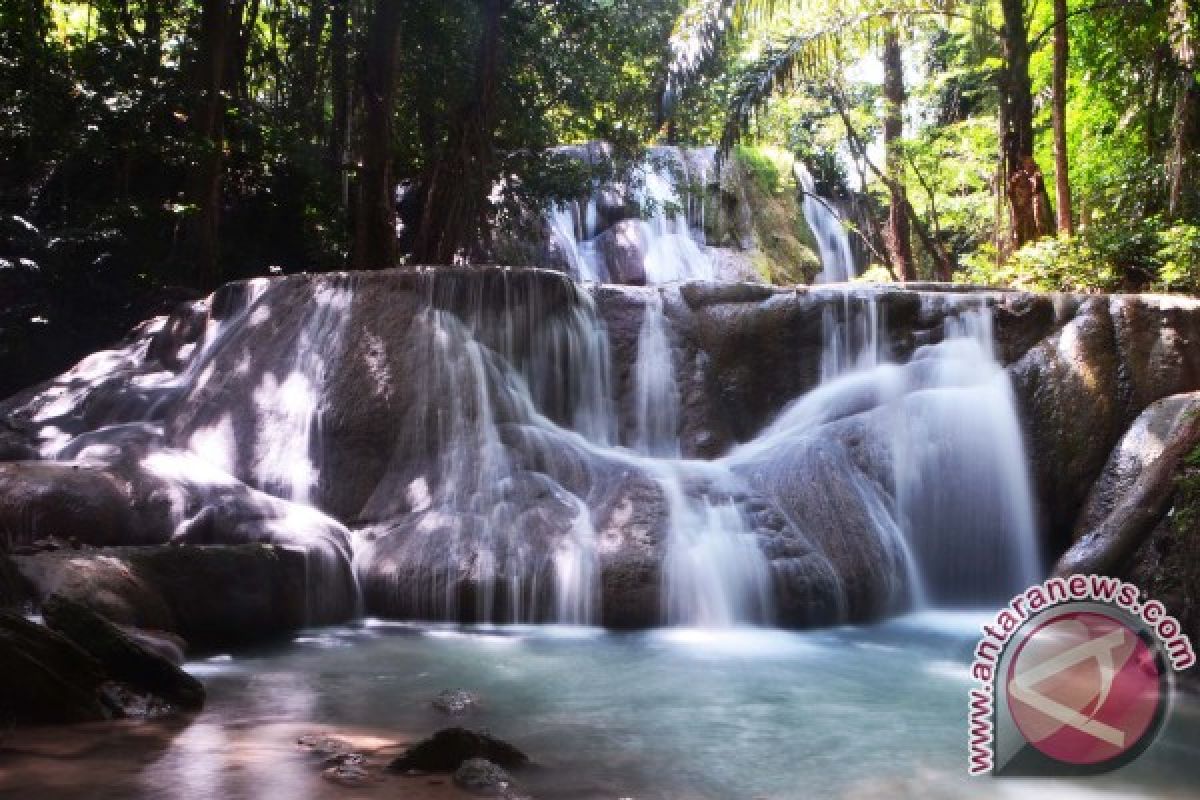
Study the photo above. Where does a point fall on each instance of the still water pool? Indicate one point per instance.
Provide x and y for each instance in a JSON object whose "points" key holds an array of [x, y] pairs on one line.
{"points": [[862, 712]]}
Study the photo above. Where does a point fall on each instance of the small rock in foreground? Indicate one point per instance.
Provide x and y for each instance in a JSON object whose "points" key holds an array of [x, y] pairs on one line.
{"points": [[447, 749]]}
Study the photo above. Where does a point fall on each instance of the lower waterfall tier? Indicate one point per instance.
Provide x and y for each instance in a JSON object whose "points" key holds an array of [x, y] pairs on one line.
{"points": [[506, 446]]}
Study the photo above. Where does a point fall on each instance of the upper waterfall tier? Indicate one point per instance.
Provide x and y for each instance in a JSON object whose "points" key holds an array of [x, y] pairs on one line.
{"points": [[508, 445], [681, 214]]}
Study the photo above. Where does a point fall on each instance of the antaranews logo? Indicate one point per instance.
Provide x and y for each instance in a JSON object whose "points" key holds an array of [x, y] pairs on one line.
{"points": [[1074, 678]]}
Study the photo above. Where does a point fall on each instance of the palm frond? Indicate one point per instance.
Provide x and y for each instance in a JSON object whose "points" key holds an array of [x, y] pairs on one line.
{"points": [[700, 33], [811, 55]]}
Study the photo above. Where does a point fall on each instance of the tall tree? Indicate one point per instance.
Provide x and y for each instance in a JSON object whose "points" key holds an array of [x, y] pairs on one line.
{"points": [[209, 83], [1028, 202], [375, 228], [899, 239], [340, 99], [1184, 123], [1062, 175], [460, 181]]}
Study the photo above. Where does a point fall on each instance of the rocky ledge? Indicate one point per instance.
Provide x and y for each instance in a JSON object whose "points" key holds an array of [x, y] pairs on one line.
{"points": [[222, 377]]}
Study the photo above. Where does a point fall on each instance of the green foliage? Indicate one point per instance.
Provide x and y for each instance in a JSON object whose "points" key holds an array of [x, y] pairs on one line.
{"points": [[1147, 254], [1179, 258], [765, 167], [786, 247]]}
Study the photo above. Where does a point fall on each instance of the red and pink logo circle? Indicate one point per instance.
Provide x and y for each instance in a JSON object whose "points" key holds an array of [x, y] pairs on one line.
{"points": [[1084, 689]]}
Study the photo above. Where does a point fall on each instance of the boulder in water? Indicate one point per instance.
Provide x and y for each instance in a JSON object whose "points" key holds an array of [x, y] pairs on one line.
{"points": [[447, 749], [46, 677], [483, 778], [122, 656]]}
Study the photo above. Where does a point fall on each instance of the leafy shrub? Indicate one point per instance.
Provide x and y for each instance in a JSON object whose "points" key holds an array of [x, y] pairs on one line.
{"points": [[1146, 254]]}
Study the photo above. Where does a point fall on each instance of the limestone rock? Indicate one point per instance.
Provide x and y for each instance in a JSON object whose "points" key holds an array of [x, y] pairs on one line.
{"points": [[1136, 487], [47, 679], [122, 657]]}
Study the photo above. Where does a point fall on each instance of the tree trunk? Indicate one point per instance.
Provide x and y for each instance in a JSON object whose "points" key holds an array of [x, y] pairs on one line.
{"points": [[1181, 159], [339, 88], [310, 67], [1025, 187], [209, 83], [375, 231], [1062, 176], [899, 235], [942, 263], [454, 217]]}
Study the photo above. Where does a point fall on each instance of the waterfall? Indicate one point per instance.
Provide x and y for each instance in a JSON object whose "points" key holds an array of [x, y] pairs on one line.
{"points": [[520, 465], [523, 364], [715, 575], [674, 250], [833, 245], [289, 410], [666, 244], [954, 506], [656, 391]]}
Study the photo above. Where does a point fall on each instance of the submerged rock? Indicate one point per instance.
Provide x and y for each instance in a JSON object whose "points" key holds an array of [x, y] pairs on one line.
{"points": [[456, 701], [481, 777], [447, 749], [122, 656]]}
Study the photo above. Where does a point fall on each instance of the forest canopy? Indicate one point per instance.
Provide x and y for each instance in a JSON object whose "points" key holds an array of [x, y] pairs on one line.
{"points": [[1044, 144]]}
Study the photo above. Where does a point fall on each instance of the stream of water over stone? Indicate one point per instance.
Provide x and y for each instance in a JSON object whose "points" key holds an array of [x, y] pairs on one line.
{"points": [[499, 447]]}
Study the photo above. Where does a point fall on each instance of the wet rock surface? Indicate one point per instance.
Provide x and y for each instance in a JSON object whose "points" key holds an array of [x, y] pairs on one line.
{"points": [[213, 597], [123, 657], [449, 748], [182, 434]]}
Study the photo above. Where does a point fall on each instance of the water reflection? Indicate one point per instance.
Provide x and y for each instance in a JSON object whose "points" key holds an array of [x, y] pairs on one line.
{"points": [[873, 712]]}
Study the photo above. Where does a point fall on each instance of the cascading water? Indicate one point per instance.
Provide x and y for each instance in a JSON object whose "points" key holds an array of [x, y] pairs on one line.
{"points": [[714, 573], [497, 480], [290, 410], [664, 245], [656, 391], [833, 245], [954, 505]]}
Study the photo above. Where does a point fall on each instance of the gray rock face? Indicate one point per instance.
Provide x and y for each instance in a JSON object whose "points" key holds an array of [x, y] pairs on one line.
{"points": [[1083, 386], [122, 656], [624, 248], [1136, 487], [264, 589], [439, 417], [39, 499], [1067, 390], [47, 679]]}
